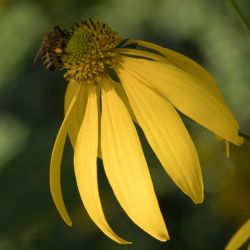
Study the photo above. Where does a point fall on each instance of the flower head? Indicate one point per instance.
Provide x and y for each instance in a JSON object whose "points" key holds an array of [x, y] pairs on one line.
{"points": [[112, 86]]}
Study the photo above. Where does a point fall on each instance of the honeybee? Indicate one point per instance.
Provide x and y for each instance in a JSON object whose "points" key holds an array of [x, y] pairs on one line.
{"points": [[52, 49]]}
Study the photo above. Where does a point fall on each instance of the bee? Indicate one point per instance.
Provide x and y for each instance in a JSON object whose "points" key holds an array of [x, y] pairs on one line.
{"points": [[53, 47]]}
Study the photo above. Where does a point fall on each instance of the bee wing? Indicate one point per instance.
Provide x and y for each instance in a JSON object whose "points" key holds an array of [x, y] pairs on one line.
{"points": [[45, 41], [37, 56]]}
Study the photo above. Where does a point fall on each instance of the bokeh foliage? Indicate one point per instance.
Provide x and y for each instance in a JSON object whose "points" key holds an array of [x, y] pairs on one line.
{"points": [[31, 109]]}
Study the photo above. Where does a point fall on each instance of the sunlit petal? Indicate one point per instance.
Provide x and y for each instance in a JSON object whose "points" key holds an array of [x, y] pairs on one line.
{"points": [[86, 168], [240, 237], [126, 167], [55, 164], [78, 112], [188, 95], [187, 64], [121, 93], [99, 152], [142, 54], [167, 136]]}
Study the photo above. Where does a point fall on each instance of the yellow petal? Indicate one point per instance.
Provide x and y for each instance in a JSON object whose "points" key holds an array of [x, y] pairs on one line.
{"points": [[140, 53], [99, 152], [186, 64], [187, 94], [240, 237], [126, 167], [167, 136], [121, 93], [85, 157], [55, 163], [78, 112]]}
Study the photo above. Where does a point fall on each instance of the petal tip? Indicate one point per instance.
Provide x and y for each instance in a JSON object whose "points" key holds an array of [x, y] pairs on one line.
{"points": [[127, 243], [240, 140], [67, 220], [164, 236], [122, 241], [198, 198], [236, 138], [200, 201], [161, 234], [69, 223]]}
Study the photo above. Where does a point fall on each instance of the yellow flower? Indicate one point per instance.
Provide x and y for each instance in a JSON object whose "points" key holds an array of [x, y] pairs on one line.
{"points": [[112, 86], [240, 237]]}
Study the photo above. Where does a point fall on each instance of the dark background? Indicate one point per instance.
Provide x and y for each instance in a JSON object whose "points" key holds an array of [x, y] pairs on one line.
{"points": [[31, 110]]}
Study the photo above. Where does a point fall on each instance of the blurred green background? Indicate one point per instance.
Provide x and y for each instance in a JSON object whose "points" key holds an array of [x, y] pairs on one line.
{"points": [[31, 110]]}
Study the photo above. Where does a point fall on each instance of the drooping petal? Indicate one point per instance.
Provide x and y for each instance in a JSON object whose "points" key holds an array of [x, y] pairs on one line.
{"points": [[126, 167], [187, 94], [240, 237], [99, 152], [141, 53], [186, 64], [55, 163], [78, 112], [167, 136], [85, 158], [121, 93]]}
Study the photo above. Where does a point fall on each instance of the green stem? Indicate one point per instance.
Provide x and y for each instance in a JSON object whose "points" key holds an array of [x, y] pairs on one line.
{"points": [[244, 135], [241, 15]]}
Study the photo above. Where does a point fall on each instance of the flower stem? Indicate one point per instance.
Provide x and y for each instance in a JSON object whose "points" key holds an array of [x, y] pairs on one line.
{"points": [[241, 15]]}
